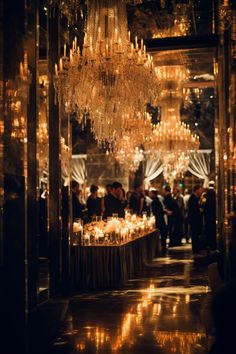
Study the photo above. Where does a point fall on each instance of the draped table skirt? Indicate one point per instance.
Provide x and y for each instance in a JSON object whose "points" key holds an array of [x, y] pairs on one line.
{"points": [[109, 267]]}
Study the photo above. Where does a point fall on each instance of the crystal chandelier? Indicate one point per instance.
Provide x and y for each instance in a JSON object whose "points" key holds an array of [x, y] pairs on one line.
{"points": [[128, 154], [181, 23], [171, 138], [109, 78], [68, 8], [128, 150]]}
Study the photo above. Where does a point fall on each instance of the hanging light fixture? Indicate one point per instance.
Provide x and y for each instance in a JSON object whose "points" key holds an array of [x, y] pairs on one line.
{"points": [[110, 78], [180, 24], [128, 154], [171, 138], [67, 8], [128, 150]]}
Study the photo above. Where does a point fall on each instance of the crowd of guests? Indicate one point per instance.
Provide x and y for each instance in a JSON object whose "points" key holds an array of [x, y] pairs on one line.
{"points": [[191, 216]]}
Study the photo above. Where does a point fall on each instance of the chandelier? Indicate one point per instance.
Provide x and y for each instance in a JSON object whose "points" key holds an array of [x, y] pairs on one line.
{"points": [[181, 22], [68, 8], [128, 150], [128, 154], [171, 138], [108, 79]]}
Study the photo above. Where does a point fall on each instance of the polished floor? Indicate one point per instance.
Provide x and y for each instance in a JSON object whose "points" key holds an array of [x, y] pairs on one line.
{"points": [[157, 312]]}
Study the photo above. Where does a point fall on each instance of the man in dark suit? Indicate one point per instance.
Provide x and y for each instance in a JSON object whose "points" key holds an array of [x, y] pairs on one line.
{"points": [[171, 209], [195, 218], [158, 212], [137, 199], [113, 203]]}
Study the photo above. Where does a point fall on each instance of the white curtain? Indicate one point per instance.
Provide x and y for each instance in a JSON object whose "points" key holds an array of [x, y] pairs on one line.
{"points": [[65, 172], [199, 165], [153, 168], [79, 171]]}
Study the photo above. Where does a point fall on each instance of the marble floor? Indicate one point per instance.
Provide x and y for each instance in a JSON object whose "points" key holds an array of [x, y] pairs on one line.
{"points": [[157, 312]]}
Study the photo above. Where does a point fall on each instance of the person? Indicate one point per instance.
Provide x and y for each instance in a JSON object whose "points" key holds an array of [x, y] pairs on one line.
{"points": [[195, 218], [128, 196], [210, 217], [179, 221], [158, 212], [123, 198], [137, 200], [108, 188], [186, 197], [113, 203], [148, 202], [171, 209], [94, 203], [108, 192], [77, 206]]}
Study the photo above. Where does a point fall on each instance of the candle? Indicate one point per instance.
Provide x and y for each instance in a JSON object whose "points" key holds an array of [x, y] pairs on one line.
{"points": [[116, 35], [99, 34], [136, 42], [132, 48], [21, 69], [56, 69], [71, 56], [107, 50], [141, 44], [64, 50], [61, 65]]}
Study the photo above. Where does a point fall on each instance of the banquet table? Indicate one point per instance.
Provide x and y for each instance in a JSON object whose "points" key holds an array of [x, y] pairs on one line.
{"points": [[110, 266]]}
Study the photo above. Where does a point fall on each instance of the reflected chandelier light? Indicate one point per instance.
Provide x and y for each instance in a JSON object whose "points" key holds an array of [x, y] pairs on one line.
{"points": [[128, 154], [128, 150], [181, 23], [109, 77], [68, 8], [171, 138]]}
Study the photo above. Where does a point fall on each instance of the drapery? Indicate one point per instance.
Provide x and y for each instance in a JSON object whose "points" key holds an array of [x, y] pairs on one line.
{"points": [[199, 165], [153, 168], [65, 172], [79, 171]]}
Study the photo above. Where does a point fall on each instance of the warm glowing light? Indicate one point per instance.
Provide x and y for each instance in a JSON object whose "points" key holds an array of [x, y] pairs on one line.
{"points": [[108, 78], [172, 140], [117, 231]]}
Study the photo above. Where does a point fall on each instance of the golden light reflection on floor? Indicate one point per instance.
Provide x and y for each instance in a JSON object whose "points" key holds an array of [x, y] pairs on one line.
{"points": [[141, 315], [179, 342]]}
